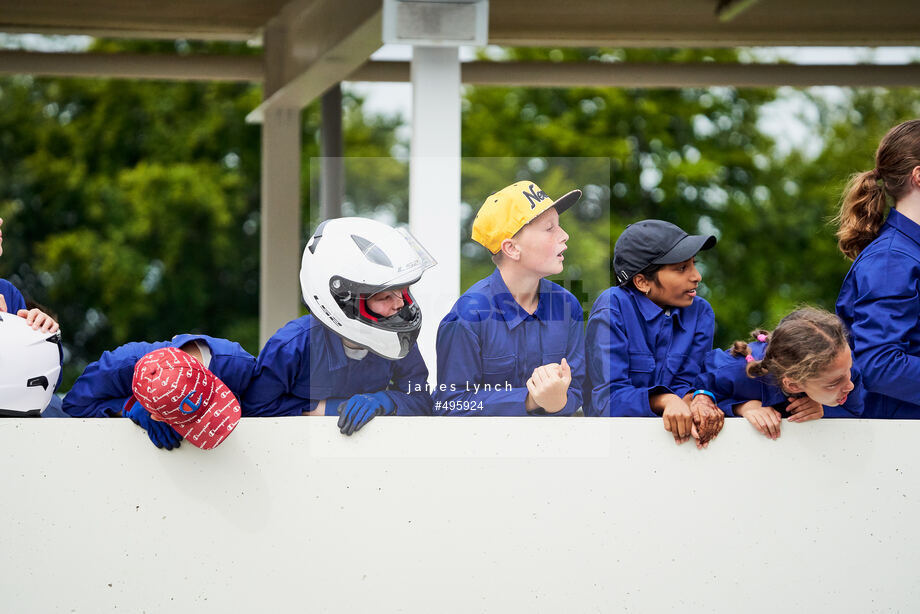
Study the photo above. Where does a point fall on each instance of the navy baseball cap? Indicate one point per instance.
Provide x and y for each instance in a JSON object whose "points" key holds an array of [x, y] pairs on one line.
{"points": [[654, 242]]}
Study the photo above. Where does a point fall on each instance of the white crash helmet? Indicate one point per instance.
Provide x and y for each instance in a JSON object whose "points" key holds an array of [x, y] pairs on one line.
{"points": [[30, 364], [351, 258]]}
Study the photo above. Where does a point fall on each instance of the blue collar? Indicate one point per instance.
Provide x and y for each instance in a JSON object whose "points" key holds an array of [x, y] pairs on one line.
{"points": [[179, 340], [904, 225], [511, 312], [650, 311], [332, 343]]}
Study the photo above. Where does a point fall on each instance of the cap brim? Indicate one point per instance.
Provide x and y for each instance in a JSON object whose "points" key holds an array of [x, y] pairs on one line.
{"points": [[219, 416], [686, 248], [566, 200]]}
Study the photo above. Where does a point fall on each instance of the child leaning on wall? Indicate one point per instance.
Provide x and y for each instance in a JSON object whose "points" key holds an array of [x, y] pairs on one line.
{"points": [[107, 387], [513, 344], [801, 371], [355, 356], [649, 335], [879, 300]]}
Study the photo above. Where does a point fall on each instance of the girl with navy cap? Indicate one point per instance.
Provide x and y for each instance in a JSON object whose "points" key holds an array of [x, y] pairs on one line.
{"points": [[647, 337], [880, 298]]}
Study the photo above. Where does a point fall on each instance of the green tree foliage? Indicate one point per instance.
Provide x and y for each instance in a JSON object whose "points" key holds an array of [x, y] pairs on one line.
{"points": [[810, 190], [696, 157], [131, 208], [692, 156]]}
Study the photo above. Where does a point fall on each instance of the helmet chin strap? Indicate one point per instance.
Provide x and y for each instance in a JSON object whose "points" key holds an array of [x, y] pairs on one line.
{"points": [[353, 346]]}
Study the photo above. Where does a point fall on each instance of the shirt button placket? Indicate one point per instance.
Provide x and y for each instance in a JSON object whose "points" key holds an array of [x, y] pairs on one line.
{"points": [[665, 336]]}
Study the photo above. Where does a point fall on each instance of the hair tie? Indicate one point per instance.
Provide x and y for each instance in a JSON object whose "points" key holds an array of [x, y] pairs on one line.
{"points": [[749, 358], [762, 338], [876, 177]]}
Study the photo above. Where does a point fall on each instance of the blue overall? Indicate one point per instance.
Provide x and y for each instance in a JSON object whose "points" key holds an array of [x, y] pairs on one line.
{"points": [[305, 363], [636, 349], [879, 303], [488, 347], [105, 385], [724, 375]]}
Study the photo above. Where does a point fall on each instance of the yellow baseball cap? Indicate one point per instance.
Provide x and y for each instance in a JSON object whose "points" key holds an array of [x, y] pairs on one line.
{"points": [[510, 209]]}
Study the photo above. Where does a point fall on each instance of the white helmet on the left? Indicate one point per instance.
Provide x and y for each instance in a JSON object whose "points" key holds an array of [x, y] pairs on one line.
{"points": [[30, 364], [348, 260]]}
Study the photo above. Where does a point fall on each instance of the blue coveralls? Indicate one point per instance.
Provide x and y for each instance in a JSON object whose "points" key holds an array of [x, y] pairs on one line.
{"points": [[105, 386], [488, 340], [724, 375], [879, 303], [304, 363], [637, 349], [12, 296]]}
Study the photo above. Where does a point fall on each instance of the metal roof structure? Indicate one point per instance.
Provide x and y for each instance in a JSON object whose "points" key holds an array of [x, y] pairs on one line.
{"points": [[309, 46], [511, 22]]}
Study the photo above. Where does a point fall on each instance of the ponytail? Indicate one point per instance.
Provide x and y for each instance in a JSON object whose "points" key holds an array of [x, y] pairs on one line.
{"points": [[755, 368], [865, 199], [862, 213], [741, 349], [800, 347]]}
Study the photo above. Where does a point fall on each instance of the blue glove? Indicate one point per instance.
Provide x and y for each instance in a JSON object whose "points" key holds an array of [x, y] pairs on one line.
{"points": [[361, 408], [161, 434]]}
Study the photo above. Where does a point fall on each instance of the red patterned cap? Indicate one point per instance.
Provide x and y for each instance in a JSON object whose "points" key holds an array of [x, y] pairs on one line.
{"points": [[180, 391]]}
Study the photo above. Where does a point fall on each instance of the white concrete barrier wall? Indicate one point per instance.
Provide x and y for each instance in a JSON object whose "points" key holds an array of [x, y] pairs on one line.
{"points": [[460, 515]]}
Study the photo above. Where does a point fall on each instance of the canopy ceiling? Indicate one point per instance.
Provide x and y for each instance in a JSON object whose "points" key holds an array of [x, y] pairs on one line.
{"points": [[512, 22]]}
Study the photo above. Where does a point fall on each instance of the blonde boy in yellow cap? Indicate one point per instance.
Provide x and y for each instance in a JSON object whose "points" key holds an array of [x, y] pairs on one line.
{"points": [[513, 344]]}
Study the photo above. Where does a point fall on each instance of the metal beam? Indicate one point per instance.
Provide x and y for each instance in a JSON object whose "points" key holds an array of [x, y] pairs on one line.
{"points": [[573, 23], [332, 180], [523, 74], [241, 35], [615, 74], [693, 23], [434, 185], [327, 40], [141, 19], [133, 66], [279, 264]]}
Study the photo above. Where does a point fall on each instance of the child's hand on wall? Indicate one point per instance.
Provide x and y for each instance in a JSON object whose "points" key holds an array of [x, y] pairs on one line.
{"points": [[678, 420], [765, 419], [707, 418], [803, 409]]}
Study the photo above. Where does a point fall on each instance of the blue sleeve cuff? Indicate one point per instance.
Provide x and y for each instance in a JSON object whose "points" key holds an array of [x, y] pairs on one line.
{"points": [[705, 392], [332, 406]]}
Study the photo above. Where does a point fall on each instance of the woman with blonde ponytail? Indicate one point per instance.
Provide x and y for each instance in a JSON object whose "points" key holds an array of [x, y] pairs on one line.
{"points": [[879, 301], [801, 371]]}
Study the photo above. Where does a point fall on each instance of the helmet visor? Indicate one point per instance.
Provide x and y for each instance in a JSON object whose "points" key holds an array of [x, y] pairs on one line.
{"points": [[409, 270]]}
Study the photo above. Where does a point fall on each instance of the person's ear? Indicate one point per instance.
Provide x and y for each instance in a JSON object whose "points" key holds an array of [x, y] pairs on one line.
{"points": [[792, 386], [510, 249], [915, 177], [642, 284]]}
